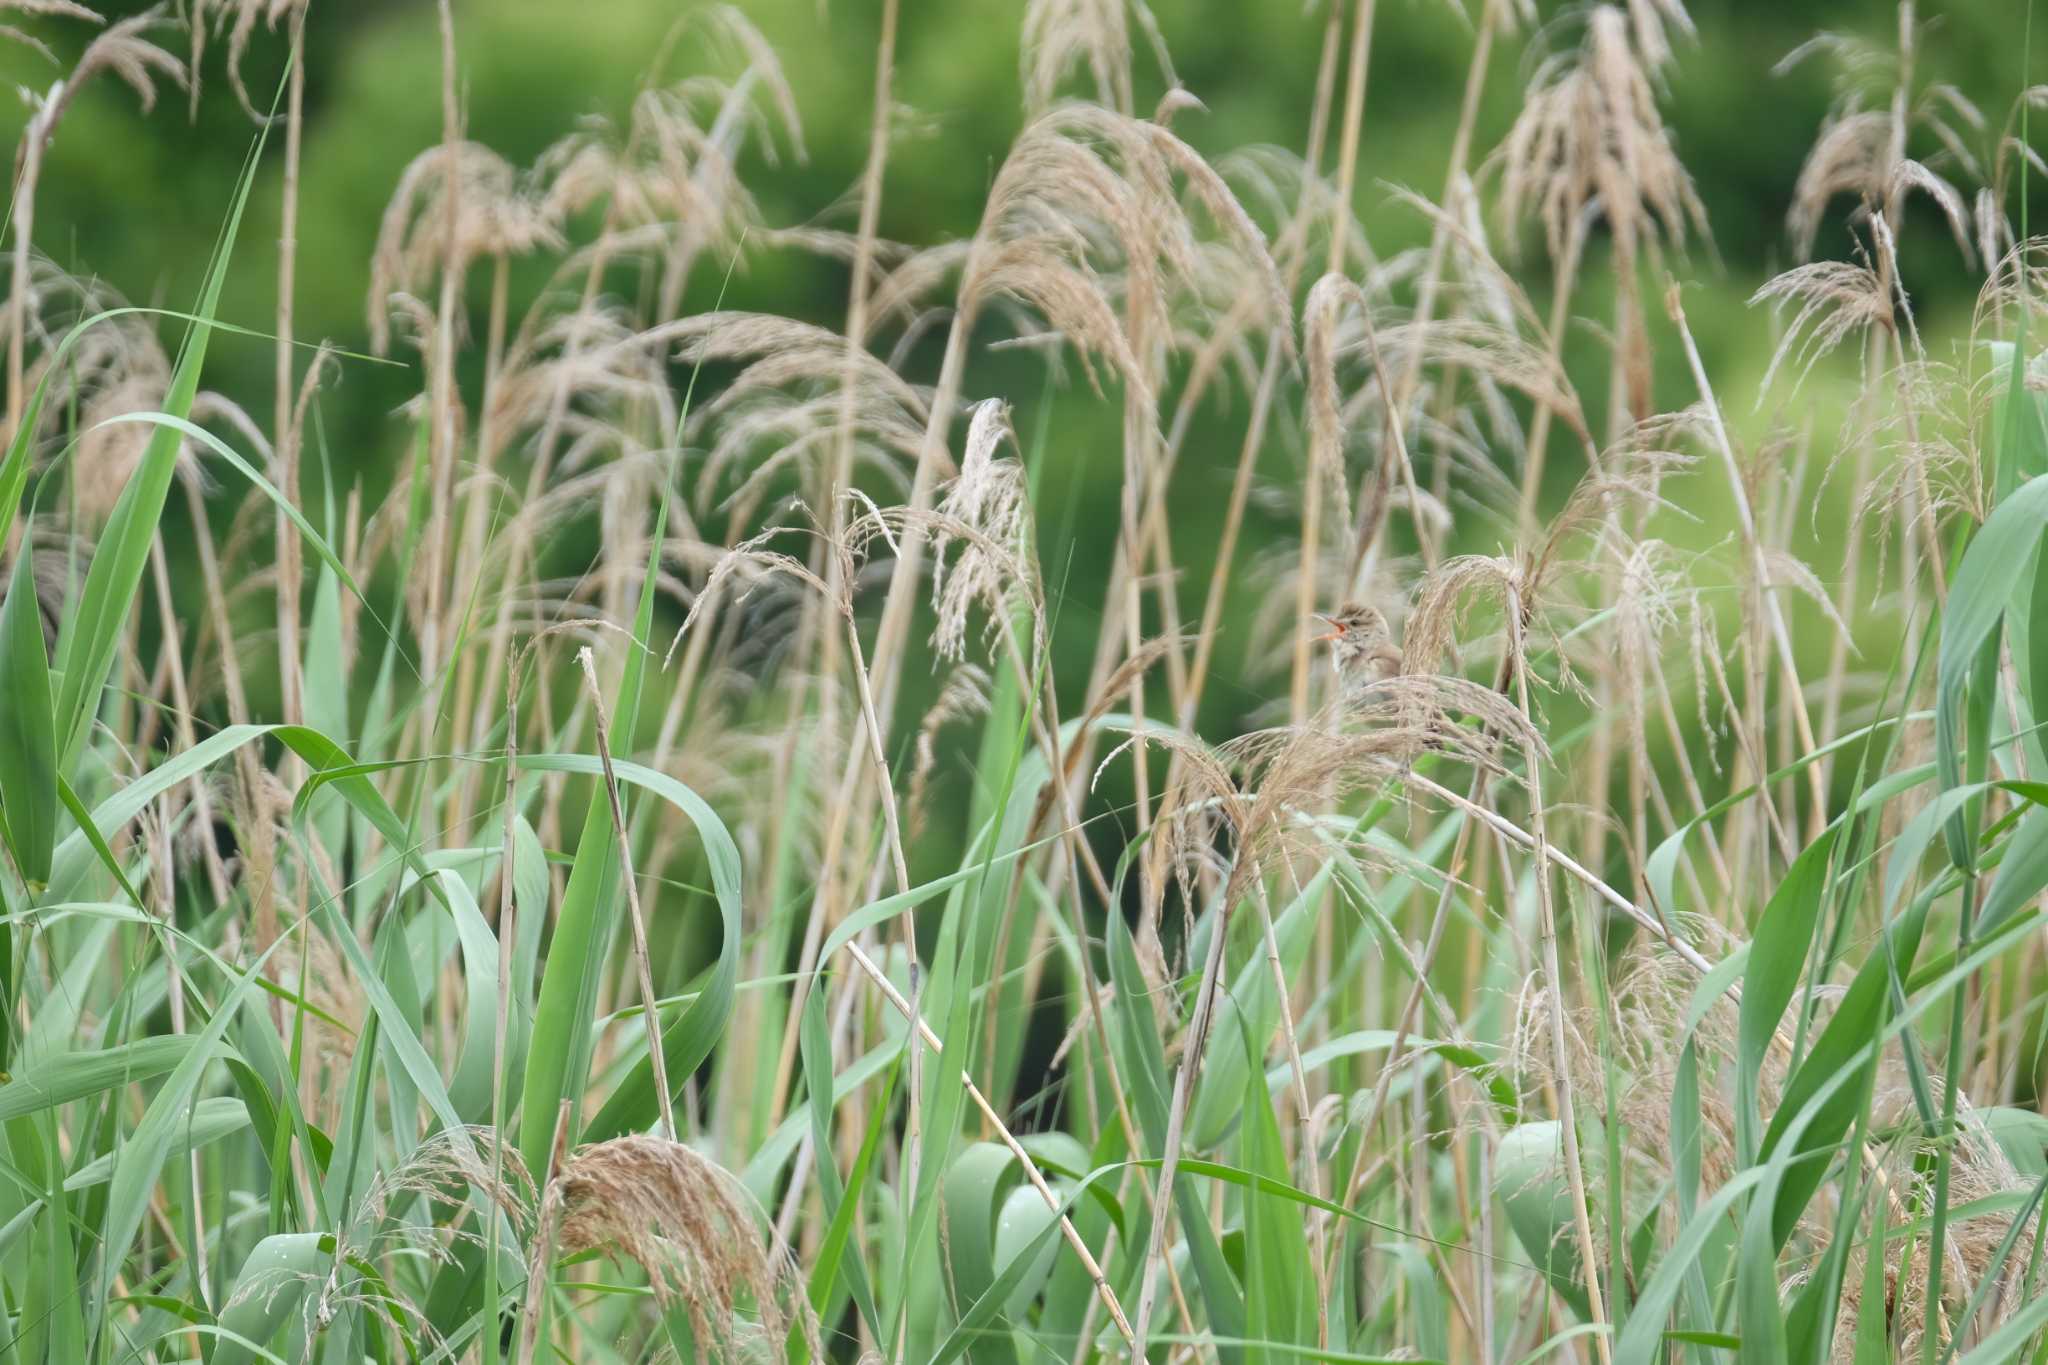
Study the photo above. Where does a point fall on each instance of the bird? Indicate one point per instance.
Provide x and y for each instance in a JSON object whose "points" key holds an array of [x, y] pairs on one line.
{"points": [[1362, 648]]}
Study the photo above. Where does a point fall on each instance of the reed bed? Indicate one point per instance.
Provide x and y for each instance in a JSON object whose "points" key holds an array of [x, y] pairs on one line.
{"points": [[691, 873]]}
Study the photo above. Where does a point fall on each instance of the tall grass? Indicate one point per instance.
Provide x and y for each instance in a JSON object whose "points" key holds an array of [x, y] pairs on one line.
{"points": [[1617, 936]]}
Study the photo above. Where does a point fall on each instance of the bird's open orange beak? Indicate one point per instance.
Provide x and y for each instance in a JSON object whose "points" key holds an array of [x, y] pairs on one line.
{"points": [[1332, 633]]}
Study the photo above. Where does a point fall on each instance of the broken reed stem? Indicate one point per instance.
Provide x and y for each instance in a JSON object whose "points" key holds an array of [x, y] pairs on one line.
{"points": [[650, 1002]]}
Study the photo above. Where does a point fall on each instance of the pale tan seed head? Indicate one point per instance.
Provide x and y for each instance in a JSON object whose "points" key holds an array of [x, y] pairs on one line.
{"points": [[692, 1228], [1590, 138]]}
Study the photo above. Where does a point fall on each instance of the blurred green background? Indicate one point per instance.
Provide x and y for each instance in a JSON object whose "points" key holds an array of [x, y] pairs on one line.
{"points": [[137, 200]]}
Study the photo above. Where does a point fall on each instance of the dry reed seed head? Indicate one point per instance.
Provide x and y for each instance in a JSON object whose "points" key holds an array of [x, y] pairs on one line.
{"points": [[238, 18], [777, 434], [115, 370], [674, 169], [1828, 302], [61, 9], [1590, 134], [1981, 1174], [782, 352], [1651, 23], [1651, 998], [1061, 37], [497, 211], [1929, 439], [989, 503], [1496, 354], [1436, 623], [579, 375], [1202, 820], [1858, 152], [1320, 317], [1301, 210], [1994, 232], [1368, 737], [2012, 287], [785, 408], [691, 1226], [730, 30], [125, 51], [417, 1206], [1084, 212], [66, 9], [739, 571]]}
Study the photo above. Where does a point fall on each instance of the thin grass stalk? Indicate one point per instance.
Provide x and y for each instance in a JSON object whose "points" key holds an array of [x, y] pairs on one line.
{"points": [[1311, 515], [1539, 426], [290, 568], [1454, 177], [1222, 571], [1759, 566], [476, 516], [441, 433], [1003, 1133], [889, 644], [649, 1001], [501, 1018], [859, 292], [1554, 981]]}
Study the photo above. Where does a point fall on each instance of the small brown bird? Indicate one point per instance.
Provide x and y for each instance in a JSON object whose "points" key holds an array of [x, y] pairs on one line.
{"points": [[1362, 648]]}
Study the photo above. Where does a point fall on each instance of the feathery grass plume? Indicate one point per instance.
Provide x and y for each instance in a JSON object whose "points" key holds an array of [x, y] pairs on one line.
{"points": [[238, 19], [1326, 473], [1927, 443], [1236, 811], [116, 369], [671, 178], [1854, 155], [1473, 346], [1650, 23], [1299, 209], [451, 1173], [497, 212], [1061, 37], [1646, 607], [1865, 151], [396, 1226], [124, 50], [1588, 135], [781, 413], [573, 376], [64, 9], [695, 1231], [1983, 1178], [1650, 1000], [989, 496], [1829, 302], [1084, 210]]}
